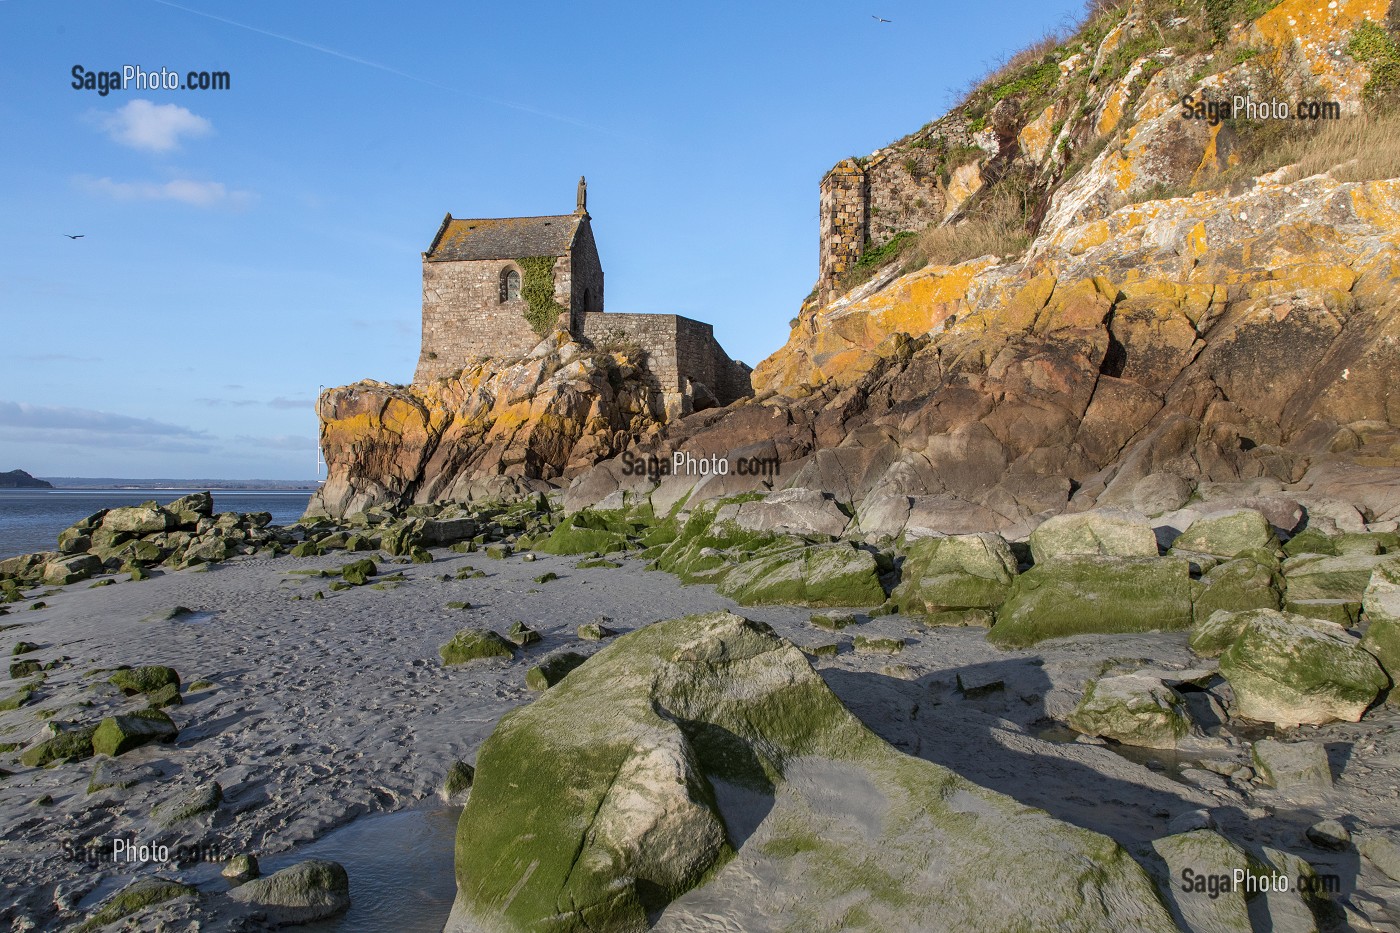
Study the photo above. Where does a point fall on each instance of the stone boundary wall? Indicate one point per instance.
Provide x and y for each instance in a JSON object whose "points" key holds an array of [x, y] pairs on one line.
{"points": [[679, 350]]}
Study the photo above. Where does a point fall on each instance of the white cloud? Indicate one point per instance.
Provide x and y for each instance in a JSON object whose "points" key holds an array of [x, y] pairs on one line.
{"points": [[95, 430], [141, 124], [184, 190], [284, 402]]}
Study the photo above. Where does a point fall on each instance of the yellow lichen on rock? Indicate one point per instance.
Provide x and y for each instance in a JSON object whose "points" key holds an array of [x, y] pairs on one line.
{"points": [[1035, 137]]}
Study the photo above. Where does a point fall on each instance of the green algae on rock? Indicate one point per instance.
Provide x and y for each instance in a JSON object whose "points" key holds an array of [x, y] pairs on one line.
{"points": [[1086, 594], [1134, 709], [116, 735], [552, 670], [595, 805], [149, 679], [955, 572], [474, 644], [1290, 669], [135, 897]]}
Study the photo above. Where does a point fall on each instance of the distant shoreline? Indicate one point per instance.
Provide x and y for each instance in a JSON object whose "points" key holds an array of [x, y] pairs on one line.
{"points": [[82, 482]]}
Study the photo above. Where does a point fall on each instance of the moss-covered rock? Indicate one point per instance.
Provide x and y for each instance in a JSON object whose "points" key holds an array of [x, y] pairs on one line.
{"points": [[117, 735], [594, 563], [1289, 669], [1238, 585], [582, 533], [1292, 765], [956, 572], [1227, 534], [1310, 576], [552, 670], [358, 573], [875, 644], [1382, 604], [17, 699], [20, 669], [1311, 541], [838, 574], [71, 569], [1084, 595], [594, 806], [548, 577], [71, 745], [1089, 534], [302, 893], [149, 679], [834, 621], [475, 644], [704, 550], [458, 780], [420, 555], [1343, 612], [188, 803], [139, 520], [1134, 709], [595, 631], [1206, 855], [522, 634], [306, 549], [242, 867], [134, 898]]}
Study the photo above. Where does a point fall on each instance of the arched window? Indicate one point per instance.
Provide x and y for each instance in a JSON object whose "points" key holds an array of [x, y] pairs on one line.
{"points": [[587, 301], [510, 285]]}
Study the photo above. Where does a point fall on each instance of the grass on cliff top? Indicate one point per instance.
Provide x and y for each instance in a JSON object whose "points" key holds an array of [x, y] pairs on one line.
{"points": [[1355, 148], [1365, 148], [996, 225]]}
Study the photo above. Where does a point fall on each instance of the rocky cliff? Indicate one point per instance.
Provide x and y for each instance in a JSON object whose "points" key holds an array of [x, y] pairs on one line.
{"points": [[494, 430], [1166, 290]]}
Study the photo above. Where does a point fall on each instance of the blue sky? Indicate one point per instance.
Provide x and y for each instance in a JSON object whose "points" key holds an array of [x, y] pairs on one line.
{"points": [[242, 247]]}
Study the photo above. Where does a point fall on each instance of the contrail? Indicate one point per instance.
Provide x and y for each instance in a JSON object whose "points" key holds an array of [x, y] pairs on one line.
{"points": [[393, 71]]}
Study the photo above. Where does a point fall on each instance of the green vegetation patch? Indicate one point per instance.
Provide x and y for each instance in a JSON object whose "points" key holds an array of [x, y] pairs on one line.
{"points": [[1106, 595], [135, 897], [68, 746], [1375, 46], [538, 291], [474, 644], [132, 680]]}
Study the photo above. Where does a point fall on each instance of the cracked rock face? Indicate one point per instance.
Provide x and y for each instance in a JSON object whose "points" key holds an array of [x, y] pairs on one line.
{"points": [[640, 776]]}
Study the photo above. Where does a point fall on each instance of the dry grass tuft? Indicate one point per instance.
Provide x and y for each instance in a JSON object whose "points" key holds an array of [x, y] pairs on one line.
{"points": [[1365, 148], [996, 226]]}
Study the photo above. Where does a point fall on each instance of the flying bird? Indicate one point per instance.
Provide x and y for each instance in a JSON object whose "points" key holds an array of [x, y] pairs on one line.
{"points": [[879, 19], [75, 236]]}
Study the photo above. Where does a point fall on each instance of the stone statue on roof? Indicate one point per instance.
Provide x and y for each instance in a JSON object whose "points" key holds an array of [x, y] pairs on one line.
{"points": [[582, 206]]}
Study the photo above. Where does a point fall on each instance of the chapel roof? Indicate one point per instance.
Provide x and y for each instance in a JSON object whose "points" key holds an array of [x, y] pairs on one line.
{"points": [[503, 237]]}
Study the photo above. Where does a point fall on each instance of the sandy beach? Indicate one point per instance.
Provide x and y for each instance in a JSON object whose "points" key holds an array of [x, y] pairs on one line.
{"points": [[320, 712]]}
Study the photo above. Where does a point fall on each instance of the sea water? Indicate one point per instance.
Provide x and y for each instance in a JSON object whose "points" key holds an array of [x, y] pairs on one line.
{"points": [[400, 867], [30, 519]]}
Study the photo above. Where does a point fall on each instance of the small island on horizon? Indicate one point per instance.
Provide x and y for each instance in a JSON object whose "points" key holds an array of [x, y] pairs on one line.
{"points": [[18, 479]]}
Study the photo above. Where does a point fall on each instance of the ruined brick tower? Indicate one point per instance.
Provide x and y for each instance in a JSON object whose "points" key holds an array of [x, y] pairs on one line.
{"points": [[844, 222], [492, 287]]}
